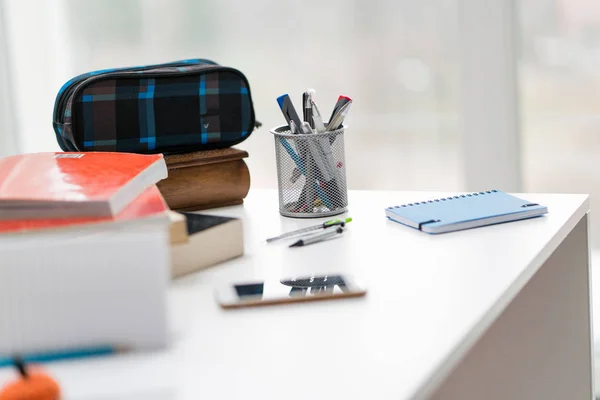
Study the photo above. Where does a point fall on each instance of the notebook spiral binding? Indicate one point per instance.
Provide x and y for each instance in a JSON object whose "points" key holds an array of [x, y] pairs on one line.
{"points": [[445, 199]]}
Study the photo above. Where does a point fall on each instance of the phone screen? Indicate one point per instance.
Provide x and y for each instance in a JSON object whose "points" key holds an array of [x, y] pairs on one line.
{"points": [[296, 289]]}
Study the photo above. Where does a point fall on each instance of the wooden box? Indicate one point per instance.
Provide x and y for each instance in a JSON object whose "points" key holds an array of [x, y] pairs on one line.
{"points": [[206, 179]]}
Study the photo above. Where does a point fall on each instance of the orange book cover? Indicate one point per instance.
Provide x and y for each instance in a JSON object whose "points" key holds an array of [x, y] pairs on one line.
{"points": [[75, 177], [149, 204], [74, 185]]}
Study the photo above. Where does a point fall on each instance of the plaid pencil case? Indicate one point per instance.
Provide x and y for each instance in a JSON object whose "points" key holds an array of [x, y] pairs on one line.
{"points": [[181, 106]]}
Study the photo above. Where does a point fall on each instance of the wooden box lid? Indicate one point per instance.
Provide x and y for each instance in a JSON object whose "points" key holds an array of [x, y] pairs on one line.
{"points": [[205, 157]]}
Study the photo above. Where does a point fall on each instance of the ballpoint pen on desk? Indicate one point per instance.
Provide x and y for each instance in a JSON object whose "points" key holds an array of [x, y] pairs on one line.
{"points": [[317, 238], [324, 225]]}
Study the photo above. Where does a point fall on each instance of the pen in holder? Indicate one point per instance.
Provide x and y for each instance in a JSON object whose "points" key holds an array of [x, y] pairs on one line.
{"points": [[311, 173]]}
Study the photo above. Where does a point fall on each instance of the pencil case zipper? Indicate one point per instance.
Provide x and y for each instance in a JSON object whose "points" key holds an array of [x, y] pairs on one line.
{"points": [[69, 88]]}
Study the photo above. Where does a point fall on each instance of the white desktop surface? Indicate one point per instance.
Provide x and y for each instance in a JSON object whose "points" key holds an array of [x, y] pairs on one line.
{"points": [[430, 297]]}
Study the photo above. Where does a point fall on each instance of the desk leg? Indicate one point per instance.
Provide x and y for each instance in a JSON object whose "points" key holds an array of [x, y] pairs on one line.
{"points": [[541, 345]]}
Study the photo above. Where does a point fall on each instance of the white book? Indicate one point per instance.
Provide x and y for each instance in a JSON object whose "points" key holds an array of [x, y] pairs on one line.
{"points": [[101, 285]]}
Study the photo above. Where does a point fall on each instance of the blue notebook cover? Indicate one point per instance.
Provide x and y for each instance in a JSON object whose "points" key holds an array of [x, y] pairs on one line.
{"points": [[464, 211]]}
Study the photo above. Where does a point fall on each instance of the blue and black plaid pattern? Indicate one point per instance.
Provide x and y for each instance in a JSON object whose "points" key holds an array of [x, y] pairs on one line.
{"points": [[183, 106]]}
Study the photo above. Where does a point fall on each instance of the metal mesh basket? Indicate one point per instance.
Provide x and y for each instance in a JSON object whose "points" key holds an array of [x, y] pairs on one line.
{"points": [[306, 158]]}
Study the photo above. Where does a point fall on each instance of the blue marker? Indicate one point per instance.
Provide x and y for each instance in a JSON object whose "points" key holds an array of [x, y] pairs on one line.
{"points": [[293, 155], [288, 110]]}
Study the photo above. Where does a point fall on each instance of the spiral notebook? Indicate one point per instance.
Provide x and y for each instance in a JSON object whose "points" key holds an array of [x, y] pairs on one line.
{"points": [[464, 211]]}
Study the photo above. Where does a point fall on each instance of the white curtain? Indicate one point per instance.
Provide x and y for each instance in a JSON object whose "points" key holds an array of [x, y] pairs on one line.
{"points": [[8, 133], [38, 50]]}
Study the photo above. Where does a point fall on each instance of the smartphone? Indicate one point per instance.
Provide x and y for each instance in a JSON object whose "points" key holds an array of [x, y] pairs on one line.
{"points": [[290, 290]]}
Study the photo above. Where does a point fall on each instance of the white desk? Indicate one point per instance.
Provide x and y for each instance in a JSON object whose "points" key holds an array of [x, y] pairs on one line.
{"points": [[500, 312]]}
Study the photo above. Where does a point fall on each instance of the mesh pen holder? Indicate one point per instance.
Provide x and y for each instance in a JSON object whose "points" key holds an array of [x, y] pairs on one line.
{"points": [[303, 159]]}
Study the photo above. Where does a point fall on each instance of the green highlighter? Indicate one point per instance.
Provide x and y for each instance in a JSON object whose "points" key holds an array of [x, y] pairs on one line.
{"points": [[324, 225]]}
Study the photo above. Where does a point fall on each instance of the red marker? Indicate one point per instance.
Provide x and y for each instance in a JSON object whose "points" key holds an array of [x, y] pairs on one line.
{"points": [[339, 104]]}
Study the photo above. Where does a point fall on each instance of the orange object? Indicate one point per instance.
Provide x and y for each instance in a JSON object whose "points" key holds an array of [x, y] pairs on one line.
{"points": [[149, 204], [51, 185], [31, 385]]}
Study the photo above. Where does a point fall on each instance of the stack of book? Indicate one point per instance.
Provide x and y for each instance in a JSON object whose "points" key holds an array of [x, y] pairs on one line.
{"points": [[199, 241], [84, 250]]}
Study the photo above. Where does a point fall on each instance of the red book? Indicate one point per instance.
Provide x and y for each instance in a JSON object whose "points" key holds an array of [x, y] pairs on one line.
{"points": [[150, 204], [68, 185]]}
